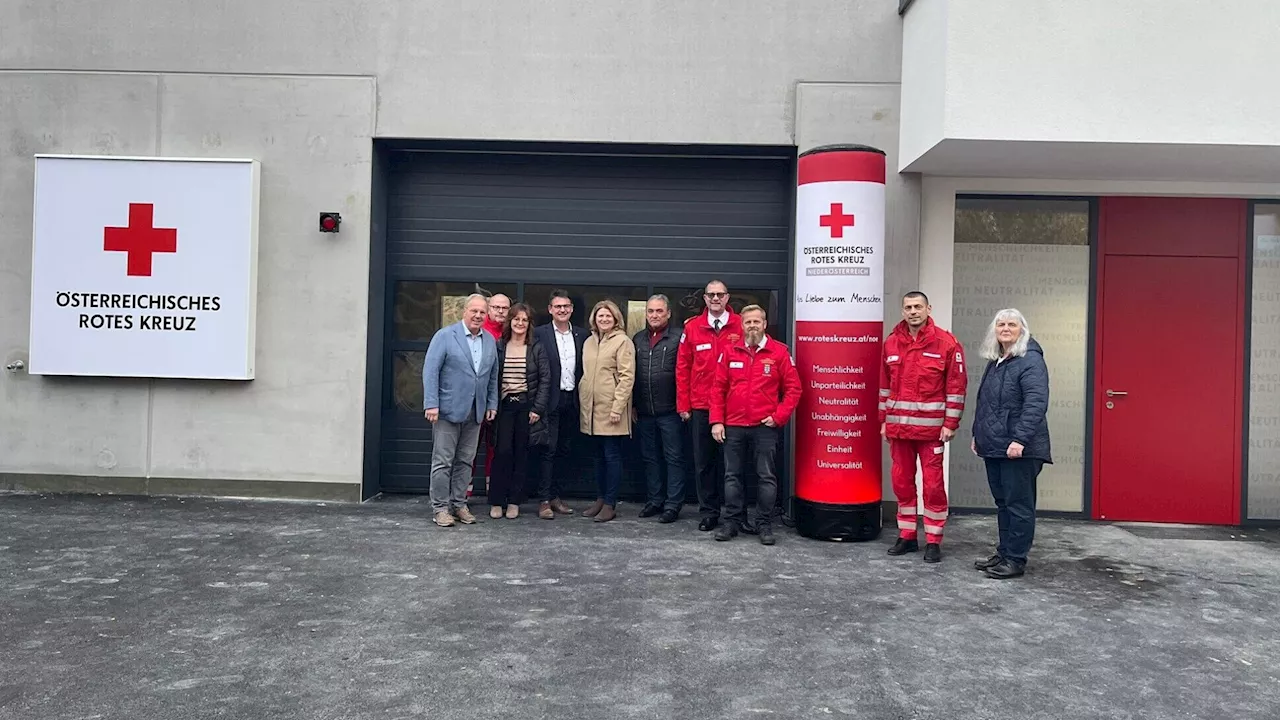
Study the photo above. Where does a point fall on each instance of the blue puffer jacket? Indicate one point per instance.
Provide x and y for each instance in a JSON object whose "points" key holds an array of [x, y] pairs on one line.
{"points": [[1011, 405]]}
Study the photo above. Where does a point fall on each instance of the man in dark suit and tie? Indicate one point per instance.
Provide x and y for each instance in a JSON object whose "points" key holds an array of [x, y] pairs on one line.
{"points": [[563, 344], [459, 391]]}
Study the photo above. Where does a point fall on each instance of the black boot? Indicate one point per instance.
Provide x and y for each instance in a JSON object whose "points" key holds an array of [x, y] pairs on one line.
{"points": [[1006, 570], [650, 511], [766, 534], [902, 547], [990, 562], [727, 531], [932, 553]]}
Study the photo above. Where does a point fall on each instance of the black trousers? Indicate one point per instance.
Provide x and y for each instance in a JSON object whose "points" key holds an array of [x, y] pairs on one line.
{"points": [[1013, 486], [758, 445], [558, 460], [510, 451], [708, 465]]}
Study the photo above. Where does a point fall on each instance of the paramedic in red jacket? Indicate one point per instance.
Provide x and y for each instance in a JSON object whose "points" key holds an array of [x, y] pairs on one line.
{"points": [[922, 388], [704, 340], [496, 320], [756, 391]]}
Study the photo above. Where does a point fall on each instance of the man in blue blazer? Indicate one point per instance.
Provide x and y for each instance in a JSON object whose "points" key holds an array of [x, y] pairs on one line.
{"points": [[459, 391], [563, 343]]}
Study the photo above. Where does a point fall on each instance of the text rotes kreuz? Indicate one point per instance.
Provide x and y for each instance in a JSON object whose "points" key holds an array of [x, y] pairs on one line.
{"points": [[144, 302]]}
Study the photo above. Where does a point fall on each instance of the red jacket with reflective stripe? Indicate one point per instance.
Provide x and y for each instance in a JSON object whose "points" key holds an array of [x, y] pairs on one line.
{"points": [[750, 387], [700, 350], [922, 383]]}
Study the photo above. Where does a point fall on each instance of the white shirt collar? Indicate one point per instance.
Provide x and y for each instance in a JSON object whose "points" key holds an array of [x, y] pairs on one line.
{"points": [[722, 317], [763, 341]]}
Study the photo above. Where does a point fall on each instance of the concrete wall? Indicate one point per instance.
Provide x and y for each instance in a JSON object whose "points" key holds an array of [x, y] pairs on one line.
{"points": [[300, 419], [304, 87], [71, 425], [714, 71]]}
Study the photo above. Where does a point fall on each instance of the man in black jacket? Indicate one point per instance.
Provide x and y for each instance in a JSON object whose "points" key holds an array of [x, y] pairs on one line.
{"points": [[563, 342], [654, 401]]}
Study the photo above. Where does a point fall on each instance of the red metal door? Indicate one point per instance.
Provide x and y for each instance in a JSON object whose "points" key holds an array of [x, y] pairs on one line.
{"points": [[1170, 358]]}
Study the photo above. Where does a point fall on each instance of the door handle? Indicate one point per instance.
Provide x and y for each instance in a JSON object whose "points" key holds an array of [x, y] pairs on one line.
{"points": [[1116, 393]]}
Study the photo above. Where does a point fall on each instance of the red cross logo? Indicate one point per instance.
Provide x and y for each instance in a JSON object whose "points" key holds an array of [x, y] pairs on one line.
{"points": [[837, 220], [141, 239]]}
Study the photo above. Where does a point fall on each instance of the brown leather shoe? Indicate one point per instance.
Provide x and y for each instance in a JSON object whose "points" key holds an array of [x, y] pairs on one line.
{"points": [[464, 515], [545, 512], [559, 506], [443, 519], [606, 514], [594, 509]]}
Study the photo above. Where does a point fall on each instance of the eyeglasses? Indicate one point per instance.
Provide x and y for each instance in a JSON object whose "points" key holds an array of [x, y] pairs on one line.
{"points": [[561, 307], [716, 295]]}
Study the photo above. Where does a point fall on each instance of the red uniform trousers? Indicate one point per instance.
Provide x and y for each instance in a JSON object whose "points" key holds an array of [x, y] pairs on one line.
{"points": [[904, 454]]}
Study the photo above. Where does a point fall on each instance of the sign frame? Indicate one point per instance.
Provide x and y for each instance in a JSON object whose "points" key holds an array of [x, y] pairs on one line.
{"points": [[37, 364]]}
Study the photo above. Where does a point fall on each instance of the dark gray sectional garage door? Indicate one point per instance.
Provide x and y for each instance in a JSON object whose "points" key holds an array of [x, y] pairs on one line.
{"points": [[598, 220]]}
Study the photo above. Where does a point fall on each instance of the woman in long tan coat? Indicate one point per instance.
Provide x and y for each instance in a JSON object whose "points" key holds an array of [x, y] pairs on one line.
{"points": [[604, 396]]}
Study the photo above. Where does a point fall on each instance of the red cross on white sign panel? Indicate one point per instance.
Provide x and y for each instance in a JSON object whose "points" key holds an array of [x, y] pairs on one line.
{"points": [[144, 267], [140, 239], [836, 221]]}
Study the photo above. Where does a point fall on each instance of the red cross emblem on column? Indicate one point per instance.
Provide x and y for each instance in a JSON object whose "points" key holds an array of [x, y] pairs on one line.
{"points": [[140, 239], [837, 221]]}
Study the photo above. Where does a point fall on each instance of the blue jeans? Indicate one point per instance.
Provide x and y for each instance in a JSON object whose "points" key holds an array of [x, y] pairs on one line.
{"points": [[662, 440], [608, 454], [1013, 487]]}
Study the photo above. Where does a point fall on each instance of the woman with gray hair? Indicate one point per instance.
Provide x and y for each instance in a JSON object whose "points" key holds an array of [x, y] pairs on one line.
{"points": [[1011, 434]]}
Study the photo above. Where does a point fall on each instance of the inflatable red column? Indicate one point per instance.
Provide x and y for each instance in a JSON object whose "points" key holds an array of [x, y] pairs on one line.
{"points": [[839, 312]]}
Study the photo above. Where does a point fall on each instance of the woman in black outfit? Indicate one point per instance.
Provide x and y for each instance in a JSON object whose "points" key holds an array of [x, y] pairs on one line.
{"points": [[524, 387], [1011, 434]]}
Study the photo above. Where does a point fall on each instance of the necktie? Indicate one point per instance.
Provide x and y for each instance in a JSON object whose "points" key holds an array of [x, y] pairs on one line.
{"points": [[716, 326]]}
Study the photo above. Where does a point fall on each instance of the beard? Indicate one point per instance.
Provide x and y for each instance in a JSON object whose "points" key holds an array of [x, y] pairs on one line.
{"points": [[754, 336]]}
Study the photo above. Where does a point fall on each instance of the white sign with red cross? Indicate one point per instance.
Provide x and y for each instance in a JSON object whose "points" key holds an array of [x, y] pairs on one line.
{"points": [[144, 267]]}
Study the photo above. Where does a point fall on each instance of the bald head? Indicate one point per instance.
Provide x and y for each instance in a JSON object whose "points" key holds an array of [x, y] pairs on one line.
{"points": [[499, 306]]}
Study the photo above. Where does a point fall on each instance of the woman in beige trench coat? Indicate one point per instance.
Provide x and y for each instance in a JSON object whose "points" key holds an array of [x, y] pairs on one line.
{"points": [[604, 396]]}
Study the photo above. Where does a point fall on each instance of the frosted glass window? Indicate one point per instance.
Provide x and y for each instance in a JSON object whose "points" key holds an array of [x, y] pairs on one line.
{"points": [[1264, 367], [1031, 254]]}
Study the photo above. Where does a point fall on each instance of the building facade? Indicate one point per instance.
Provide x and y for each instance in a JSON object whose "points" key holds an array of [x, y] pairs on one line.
{"points": [[1107, 170]]}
